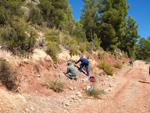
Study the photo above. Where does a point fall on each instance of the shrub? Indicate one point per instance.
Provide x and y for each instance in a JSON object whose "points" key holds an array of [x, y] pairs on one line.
{"points": [[56, 84], [96, 42], [89, 47], [94, 93], [53, 41], [17, 37], [7, 77], [53, 49], [117, 65], [147, 60], [73, 50], [35, 16], [82, 47], [66, 41], [100, 55], [106, 67]]}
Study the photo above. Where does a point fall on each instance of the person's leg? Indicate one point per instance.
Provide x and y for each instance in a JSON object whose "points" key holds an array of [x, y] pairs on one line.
{"points": [[69, 75], [81, 66], [87, 69]]}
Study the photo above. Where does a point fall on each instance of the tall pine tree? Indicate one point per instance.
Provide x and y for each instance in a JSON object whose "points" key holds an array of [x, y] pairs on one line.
{"points": [[89, 18], [112, 15]]}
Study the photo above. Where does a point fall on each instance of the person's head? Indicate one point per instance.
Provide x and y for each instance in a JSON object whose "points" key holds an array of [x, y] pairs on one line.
{"points": [[81, 56], [69, 63]]}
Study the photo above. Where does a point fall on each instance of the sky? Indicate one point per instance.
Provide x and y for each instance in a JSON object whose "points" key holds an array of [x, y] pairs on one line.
{"points": [[139, 10]]}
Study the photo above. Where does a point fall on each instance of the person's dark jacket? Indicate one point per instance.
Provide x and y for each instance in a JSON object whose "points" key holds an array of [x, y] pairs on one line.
{"points": [[83, 60]]}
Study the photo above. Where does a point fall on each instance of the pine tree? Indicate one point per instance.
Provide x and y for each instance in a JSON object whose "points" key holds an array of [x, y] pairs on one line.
{"points": [[53, 11], [113, 13], [129, 41], [89, 18], [143, 49]]}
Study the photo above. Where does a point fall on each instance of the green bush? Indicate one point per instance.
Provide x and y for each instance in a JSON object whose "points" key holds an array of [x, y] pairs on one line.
{"points": [[53, 42], [17, 37], [56, 84], [89, 47], [147, 60], [117, 65], [100, 55], [94, 93], [66, 41], [7, 76], [73, 50], [96, 42], [53, 49], [106, 67], [82, 47], [35, 16]]}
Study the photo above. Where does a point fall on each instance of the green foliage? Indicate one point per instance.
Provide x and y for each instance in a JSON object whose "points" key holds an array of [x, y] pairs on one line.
{"points": [[96, 42], [9, 9], [117, 65], [94, 93], [89, 47], [89, 18], [100, 55], [73, 51], [106, 67], [129, 41], [112, 25], [35, 16], [125, 54], [53, 49], [79, 31], [82, 47], [54, 12], [71, 44], [17, 37], [143, 49], [147, 60], [7, 76], [56, 84], [53, 41]]}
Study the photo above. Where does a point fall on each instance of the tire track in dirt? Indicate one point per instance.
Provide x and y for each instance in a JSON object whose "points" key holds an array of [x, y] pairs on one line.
{"points": [[131, 95]]}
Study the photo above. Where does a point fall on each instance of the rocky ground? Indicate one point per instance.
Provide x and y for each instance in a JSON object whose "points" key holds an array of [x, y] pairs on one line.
{"points": [[126, 91]]}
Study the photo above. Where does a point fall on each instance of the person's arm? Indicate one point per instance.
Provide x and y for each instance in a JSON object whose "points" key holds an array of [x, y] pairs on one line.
{"points": [[67, 70], [78, 61]]}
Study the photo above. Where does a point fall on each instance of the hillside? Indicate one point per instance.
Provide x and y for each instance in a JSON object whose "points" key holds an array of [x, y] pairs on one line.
{"points": [[39, 37], [33, 94]]}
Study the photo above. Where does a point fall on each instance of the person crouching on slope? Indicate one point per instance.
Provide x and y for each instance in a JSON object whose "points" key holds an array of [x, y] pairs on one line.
{"points": [[84, 62], [71, 71]]}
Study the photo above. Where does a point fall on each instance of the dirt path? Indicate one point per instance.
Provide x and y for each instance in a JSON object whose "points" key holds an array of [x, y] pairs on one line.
{"points": [[131, 95]]}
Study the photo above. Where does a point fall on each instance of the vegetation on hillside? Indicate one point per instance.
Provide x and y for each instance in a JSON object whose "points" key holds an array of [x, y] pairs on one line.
{"points": [[103, 25]]}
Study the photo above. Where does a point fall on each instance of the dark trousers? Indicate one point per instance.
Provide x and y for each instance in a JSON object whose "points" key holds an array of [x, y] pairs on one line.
{"points": [[71, 76], [86, 66]]}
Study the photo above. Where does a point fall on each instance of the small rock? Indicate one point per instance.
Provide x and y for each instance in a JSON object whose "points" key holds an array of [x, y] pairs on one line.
{"points": [[71, 88], [27, 110], [32, 108], [21, 97], [79, 100], [73, 97], [67, 104], [38, 76]]}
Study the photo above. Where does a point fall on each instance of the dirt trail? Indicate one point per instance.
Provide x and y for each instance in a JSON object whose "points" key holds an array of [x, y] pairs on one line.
{"points": [[131, 95]]}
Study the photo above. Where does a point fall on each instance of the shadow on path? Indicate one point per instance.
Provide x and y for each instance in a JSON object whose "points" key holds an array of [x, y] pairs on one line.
{"points": [[144, 82]]}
